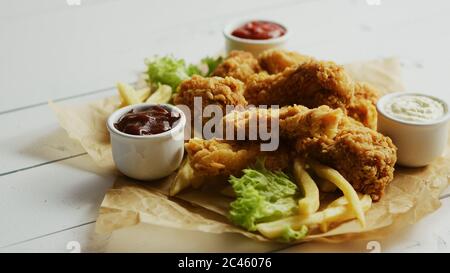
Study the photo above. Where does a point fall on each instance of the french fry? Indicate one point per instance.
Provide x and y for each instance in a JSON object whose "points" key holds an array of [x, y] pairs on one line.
{"points": [[329, 215], [142, 94], [325, 185], [127, 94], [184, 178], [162, 95], [349, 192], [342, 201], [310, 202]]}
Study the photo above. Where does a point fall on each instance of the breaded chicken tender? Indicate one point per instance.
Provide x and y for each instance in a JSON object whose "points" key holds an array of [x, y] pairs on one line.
{"points": [[367, 92], [219, 157], [311, 84], [324, 116], [363, 156], [362, 106], [293, 121], [262, 89], [276, 61], [214, 90], [239, 65]]}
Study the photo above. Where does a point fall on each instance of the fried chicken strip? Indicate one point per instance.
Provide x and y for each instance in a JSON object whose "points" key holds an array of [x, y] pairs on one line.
{"points": [[219, 157], [363, 156], [211, 91], [293, 121], [311, 84], [276, 61], [362, 106], [367, 92], [300, 79], [214, 90], [239, 65]]}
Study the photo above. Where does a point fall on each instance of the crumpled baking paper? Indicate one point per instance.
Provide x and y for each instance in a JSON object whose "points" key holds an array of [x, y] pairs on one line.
{"points": [[412, 194]]}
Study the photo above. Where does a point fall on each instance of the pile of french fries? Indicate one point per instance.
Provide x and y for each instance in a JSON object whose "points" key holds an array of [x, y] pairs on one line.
{"points": [[345, 208], [129, 95]]}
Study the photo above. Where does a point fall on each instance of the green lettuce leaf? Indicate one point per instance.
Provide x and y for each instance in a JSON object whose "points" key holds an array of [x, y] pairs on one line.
{"points": [[262, 196], [169, 70]]}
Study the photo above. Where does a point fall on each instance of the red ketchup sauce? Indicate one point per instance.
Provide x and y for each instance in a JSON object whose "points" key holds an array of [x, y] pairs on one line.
{"points": [[151, 121], [259, 30]]}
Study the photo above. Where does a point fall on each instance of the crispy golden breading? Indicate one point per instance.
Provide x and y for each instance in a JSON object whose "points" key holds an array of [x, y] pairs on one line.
{"points": [[367, 92], [311, 84], [275, 60], [338, 128], [362, 106], [363, 156], [215, 157], [293, 121], [218, 157], [214, 90], [364, 111], [239, 65]]}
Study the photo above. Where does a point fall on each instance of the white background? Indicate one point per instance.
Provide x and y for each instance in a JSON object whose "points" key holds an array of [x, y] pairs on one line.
{"points": [[50, 190]]}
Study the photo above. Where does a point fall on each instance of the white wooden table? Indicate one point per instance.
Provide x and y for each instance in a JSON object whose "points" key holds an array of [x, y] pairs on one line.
{"points": [[58, 50]]}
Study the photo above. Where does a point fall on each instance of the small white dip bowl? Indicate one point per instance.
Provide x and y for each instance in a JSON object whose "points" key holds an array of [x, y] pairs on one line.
{"points": [[418, 143], [250, 45], [147, 157]]}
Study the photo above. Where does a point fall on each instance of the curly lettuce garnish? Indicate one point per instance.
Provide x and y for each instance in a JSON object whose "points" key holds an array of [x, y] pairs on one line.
{"points": [[262, 196], [171, 71]]}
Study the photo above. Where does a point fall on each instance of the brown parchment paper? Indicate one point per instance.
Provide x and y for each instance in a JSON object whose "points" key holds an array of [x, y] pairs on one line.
{"points": [[413, 194]]}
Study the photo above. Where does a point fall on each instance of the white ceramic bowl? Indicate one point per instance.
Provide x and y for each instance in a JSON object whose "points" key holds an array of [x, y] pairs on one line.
{"points": [[253, 46], [418, 143], [147, 157]]}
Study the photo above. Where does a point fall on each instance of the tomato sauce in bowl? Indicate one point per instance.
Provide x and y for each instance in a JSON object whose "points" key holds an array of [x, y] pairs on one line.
{"points": [[259, 30]]}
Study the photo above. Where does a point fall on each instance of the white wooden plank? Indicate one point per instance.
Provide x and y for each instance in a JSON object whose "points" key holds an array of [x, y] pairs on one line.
{"points": [[60, 242], [158, 239], [423, 74], [33, 136], [50, 198], [135, 239], [73, 50], [76, 57], [79, 48], [48, 142]]}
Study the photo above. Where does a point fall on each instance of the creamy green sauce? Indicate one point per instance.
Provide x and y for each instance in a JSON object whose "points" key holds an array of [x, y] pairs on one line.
{"points": [[415, 108]]}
